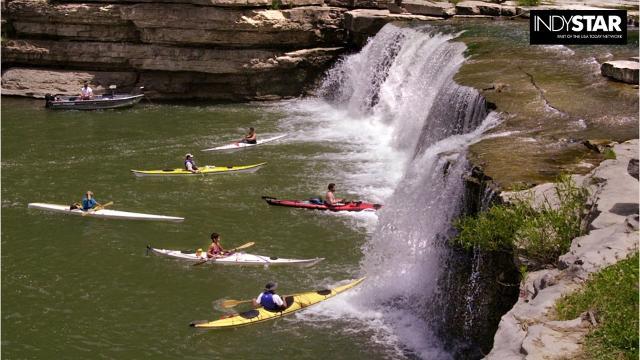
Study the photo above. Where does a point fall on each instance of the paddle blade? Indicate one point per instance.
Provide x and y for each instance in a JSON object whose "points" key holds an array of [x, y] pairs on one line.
{"points": [[231, 303], [249, 244]]}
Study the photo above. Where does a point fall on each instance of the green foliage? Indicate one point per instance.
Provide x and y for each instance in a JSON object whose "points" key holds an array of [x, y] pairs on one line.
{"points": [[612, 294], [528, 2], [275, 4], [609, 154], [539, 234]]}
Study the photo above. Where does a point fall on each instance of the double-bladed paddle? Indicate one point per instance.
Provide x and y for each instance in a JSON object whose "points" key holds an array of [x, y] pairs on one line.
{"points": [[99, 207], [249, 244]]}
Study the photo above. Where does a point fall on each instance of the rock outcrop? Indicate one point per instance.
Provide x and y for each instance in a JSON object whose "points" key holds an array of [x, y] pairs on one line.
{"points": [[180, 49], [528, 330], [621, 70], [484, 8], [363, 23]]}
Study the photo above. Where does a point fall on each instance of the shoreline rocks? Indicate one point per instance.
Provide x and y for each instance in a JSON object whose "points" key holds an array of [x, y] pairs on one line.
{"points": [[621, 70], [529, 330]]}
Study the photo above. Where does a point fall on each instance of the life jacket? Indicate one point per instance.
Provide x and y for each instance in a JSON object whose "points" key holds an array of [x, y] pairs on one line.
{"points": [[189, 161], [266, 300], [88, 203]]}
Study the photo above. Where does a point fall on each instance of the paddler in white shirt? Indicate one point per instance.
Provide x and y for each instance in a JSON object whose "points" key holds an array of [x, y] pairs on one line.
{"points": [[269, 300], [189, 164], [86, 93]]}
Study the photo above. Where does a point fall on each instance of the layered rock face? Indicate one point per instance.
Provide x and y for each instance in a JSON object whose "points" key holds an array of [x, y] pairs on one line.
{"points": [[174, 50]]}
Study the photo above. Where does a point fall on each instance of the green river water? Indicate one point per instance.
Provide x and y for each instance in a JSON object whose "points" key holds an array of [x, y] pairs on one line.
{"points": [[75, 287], [78, 288]]}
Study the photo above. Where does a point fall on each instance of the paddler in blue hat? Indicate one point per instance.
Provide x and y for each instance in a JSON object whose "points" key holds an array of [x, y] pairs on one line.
{"points": [[269, 300]]}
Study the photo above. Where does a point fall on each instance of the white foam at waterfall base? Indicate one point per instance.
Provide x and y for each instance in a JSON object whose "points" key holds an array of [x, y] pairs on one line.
{"points": [[385, 110]]}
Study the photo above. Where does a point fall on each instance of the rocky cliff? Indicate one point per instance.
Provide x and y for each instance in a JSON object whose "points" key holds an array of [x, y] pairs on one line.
{"points": [[529, 330], [223, 51]]}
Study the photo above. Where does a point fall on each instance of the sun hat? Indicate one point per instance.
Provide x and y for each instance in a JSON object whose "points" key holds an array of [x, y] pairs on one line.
{"points": [[271, 286]]}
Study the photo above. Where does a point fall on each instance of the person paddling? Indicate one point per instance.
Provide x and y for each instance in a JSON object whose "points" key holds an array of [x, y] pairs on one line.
{"points": [[88, 202], [215, 249], [190, 164], [330, 198], [269, 300], [251, 137]]}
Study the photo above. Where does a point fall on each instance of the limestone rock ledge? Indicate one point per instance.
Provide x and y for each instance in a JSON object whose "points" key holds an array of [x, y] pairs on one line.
{"points": [[528, 330], [621, 70], [232, 75]]}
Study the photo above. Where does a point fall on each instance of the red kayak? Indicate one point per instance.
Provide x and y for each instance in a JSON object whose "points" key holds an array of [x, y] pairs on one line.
{"points": [[317, 205]]}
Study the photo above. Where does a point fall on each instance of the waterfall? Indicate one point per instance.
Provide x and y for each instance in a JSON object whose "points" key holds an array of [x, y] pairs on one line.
{"points": [[397, 106]]}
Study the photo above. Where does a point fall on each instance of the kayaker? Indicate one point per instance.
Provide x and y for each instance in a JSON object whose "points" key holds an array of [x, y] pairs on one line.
{"points": [[251, 137], [86, 93], [330, 198], [189, 164], [269, 300], [88, 201], [216, 249]]}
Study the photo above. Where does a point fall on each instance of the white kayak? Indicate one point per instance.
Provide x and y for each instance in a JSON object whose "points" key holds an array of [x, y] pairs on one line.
{"points": [[104, 213], [238, 258], [241, 145]]}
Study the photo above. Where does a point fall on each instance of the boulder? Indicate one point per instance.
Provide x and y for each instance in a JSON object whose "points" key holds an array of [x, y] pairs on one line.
{"points": [[484, 8], [621, 70], [424, 7]]}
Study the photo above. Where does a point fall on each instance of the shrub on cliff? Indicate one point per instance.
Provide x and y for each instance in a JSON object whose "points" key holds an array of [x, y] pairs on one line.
{"points": [[539, 234], [612, 295]]}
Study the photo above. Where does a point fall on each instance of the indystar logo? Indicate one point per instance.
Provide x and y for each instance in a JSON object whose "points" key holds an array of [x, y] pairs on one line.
{"points": [[589, 23], [578, 27]]}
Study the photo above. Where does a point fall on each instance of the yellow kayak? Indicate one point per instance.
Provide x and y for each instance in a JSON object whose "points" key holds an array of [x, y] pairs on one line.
{"points": [[296, 302], [201, 171]]}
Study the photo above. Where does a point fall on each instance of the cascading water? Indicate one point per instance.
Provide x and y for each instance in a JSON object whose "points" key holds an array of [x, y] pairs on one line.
{"points": [[408, 124]]}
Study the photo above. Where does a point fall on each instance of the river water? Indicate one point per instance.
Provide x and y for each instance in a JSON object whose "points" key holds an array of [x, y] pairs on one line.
{"points": [[388, 126]]}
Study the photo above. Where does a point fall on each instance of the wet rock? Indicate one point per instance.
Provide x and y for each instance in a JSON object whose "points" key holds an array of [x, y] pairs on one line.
{"points": [[423, 7], [484, 8], [632, 168], [621, 70], [599, 145]]}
